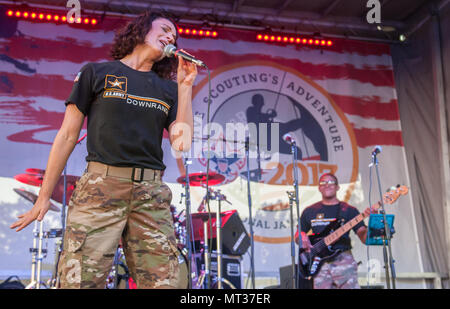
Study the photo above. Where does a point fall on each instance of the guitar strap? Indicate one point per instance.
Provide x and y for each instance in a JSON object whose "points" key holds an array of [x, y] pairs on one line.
{"points": [[338, 212], [338, 215]]}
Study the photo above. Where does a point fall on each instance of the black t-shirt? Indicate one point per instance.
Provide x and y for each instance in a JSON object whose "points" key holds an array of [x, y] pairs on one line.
{"points": [[127, 112], [317, 217]]}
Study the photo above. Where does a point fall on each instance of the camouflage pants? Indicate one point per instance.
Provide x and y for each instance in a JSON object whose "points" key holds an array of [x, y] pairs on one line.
{"points": [[102, 211], [339, 273]]}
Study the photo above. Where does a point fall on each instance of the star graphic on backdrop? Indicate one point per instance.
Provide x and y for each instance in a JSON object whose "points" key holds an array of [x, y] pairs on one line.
{"points": [[116, 83]]}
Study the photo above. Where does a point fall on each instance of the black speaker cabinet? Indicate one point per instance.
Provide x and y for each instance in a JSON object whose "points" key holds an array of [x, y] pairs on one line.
{"points": [[235, 239]]}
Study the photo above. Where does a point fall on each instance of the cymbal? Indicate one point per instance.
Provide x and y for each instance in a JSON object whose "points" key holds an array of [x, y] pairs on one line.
{"points": [[30, 196], [35, 171], [34, 180], [199, 179]]}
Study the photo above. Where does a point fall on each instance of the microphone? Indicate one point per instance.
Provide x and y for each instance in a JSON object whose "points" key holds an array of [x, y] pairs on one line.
{"points": [[288, 138], [170, 51], [376, 150]]}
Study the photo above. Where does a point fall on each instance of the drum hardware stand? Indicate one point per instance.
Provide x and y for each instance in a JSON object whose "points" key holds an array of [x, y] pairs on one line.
{"points": [[387, 239], [296, 196], [187, 195], [220, 197], [250, 220], [38, 254], [291, 195], [55, 278]]}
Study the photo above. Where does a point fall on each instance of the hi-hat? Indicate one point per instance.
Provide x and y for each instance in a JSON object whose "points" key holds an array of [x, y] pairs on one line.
{"points": [[30, 196], [199, 179]]}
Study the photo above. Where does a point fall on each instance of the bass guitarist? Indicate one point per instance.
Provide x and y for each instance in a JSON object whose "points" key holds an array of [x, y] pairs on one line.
{"points": [[340, 271]]}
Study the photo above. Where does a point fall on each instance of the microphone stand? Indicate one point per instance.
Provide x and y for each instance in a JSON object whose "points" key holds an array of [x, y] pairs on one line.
{"points": [[294, 277], [187, 195], [250, 220], [387, 238], [297, 204]]}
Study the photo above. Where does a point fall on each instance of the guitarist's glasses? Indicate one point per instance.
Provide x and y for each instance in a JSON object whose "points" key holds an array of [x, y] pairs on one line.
{"points": [[327, 182]]}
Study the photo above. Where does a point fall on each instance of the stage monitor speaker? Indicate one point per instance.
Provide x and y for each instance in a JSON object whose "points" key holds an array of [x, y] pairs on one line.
{"points": [[235, 239], [286, 279]]}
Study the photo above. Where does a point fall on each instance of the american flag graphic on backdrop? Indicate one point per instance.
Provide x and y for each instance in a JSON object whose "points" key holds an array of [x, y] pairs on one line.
{"points": [[339, 101]]}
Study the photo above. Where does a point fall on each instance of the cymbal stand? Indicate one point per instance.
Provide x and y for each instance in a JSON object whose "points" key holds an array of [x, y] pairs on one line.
{"points": [[388, 259], [37, 256], [33, 251], [296, 198], [250, 220], [291, 195], [220, 197], [60, 243]]}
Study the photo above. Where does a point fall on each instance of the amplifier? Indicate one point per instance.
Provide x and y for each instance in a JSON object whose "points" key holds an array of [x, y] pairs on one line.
{"points": [[231, 269]]}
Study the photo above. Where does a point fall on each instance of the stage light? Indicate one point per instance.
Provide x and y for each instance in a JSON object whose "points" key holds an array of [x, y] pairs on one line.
{"points": [[294, 40], [402, 38], [47, 17], [197, 32]]}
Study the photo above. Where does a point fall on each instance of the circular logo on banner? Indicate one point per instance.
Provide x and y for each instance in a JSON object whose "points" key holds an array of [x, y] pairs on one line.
{"points": [[279, 112]]}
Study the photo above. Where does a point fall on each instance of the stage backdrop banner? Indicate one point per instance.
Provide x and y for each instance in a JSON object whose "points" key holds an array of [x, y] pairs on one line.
{"points": [[336, 102]]}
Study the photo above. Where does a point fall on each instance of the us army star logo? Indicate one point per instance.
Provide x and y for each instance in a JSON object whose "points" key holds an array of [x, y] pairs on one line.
{"points": [[116, 83]]}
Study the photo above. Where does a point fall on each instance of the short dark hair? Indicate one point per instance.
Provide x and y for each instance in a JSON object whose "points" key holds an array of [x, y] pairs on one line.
{"points": [[133, 33], [331, 175]]}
